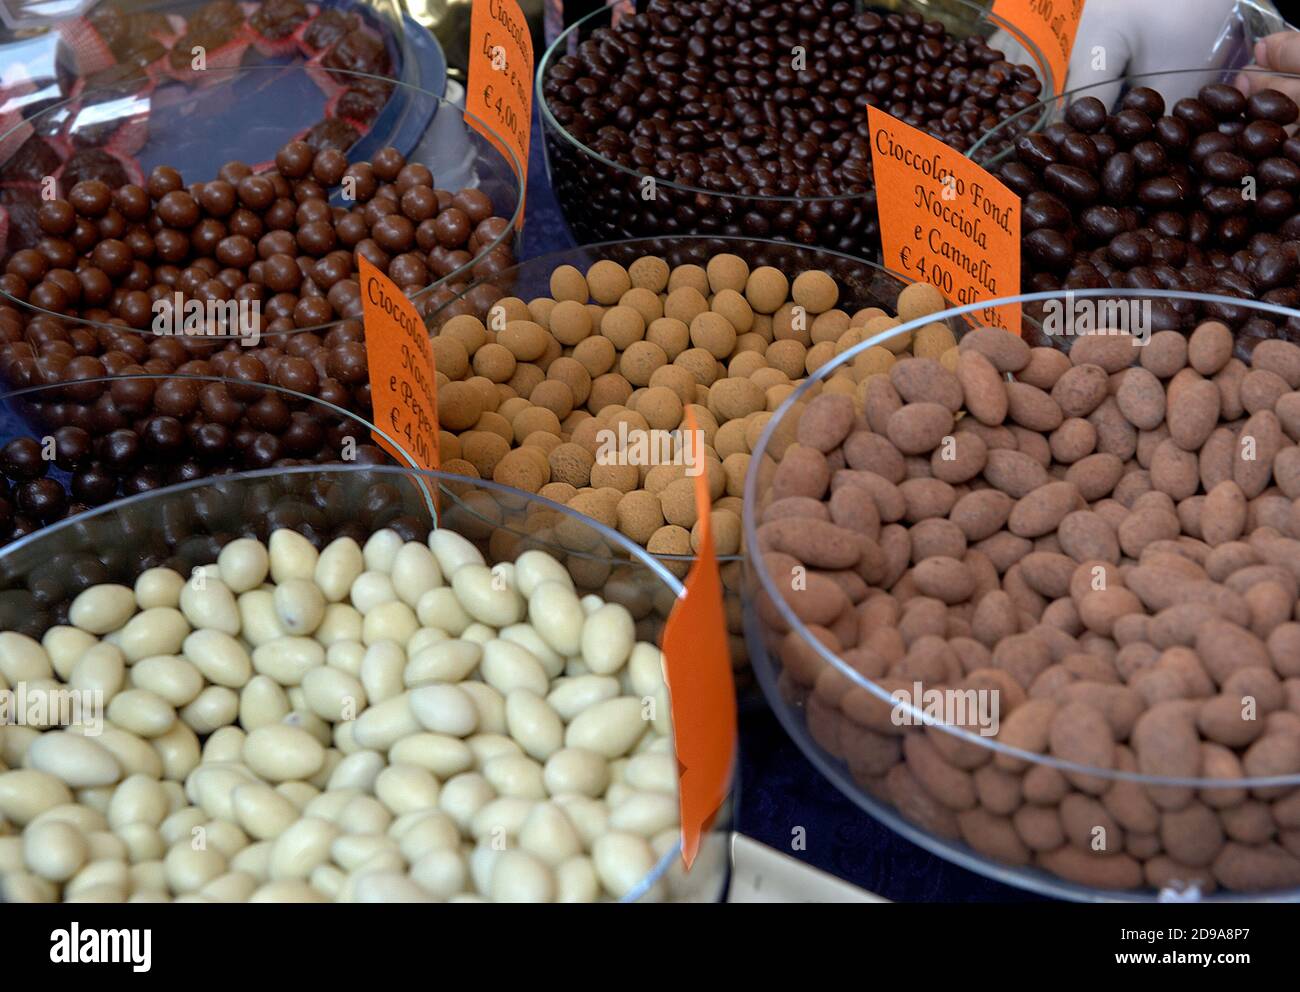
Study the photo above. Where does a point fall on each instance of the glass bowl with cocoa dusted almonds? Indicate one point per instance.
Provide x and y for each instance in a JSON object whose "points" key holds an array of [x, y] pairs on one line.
{"points": [[1035, 607], [353, 697], [570, 375]]}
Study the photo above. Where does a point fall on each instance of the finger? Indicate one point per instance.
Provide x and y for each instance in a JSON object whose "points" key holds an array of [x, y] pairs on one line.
{"points": [[1266, 48], [1278, 52], [1247, 77], [1282, 51], [1244, 80]]}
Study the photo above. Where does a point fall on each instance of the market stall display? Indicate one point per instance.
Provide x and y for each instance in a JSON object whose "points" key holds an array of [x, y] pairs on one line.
{"points": [[1028, 597]]}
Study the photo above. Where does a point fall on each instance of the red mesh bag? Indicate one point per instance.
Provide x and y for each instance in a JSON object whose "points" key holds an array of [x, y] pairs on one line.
{"points": [[277, 26], [110, 167], [128, 129], [361, 102], [220, 30], [90, 50], [33, 160], [326, 29]]}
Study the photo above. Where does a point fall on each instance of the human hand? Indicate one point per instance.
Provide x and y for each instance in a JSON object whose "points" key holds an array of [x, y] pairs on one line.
{"points": [[1119, 40], [1278, 53]]}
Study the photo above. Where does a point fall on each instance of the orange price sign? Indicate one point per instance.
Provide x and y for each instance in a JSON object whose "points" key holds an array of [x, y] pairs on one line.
{"points": [[500, 88], [945, 220], [403, 390], [1049, 24], [697, 665]]}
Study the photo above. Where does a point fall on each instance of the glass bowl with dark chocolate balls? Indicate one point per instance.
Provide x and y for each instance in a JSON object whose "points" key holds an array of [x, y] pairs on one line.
{"points": [[1042, 621], [324, 196], [750, 119], [1198, 194], [85, 442], [244, 268]]}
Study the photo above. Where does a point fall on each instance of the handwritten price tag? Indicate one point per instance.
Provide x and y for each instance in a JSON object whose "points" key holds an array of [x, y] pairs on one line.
{"points": [[500, 89], [1049, 24], [946, 221], [403, 390], [697, 663]]}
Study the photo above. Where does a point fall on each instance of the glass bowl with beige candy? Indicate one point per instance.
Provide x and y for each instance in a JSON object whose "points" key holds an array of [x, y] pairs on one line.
{"points": [[1038, 614], [342, 700], [569, 375]]}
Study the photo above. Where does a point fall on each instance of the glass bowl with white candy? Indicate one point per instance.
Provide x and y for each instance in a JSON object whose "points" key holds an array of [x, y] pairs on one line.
{"points": [[334, 683]]}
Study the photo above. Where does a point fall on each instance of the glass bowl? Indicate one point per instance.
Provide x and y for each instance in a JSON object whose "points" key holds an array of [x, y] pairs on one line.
{"points": [[128, 435], [1008, 807], [1210, 52], [603, 199], [862, 284], [998, 145], [186, 526], [1175, 227], [122, 132]]}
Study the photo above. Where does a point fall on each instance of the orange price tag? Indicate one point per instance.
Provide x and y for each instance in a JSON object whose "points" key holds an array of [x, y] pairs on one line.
{"points": [[403, 390], [1049, 24], [697, 665], [500, 88], [945, 220]]}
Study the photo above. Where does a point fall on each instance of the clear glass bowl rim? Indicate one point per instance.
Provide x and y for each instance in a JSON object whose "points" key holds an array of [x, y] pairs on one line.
{"points": [[548, 119], [768, 587], [499, 146]]}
